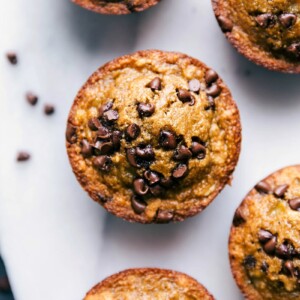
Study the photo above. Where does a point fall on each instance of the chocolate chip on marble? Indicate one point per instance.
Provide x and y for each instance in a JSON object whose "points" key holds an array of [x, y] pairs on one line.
{"points": [[4, 285], [281, 190], [211, 76], [12, 57], [295, 204], [94, 124], [157, 190], [180, 171], [182, 153], [111, 116], [102, 148], [131, 157], [164, 216], [49, 109], [270, 246], [71, 133], [155, 84], [265, 20], [198, 150], [194, 85], [225, 23], [264, 266], [105, 107], [288, 268], [167, 140], [116, 139], [294, 50], [32, 98], [145, 109], [185, 96], [249, 262], [103, 132], [140, 186], [151, 176], [132, 132], [102, 162], [167, 182], [145, 152], [214, 90], [264, 235], [263, 187], [239, 217], [86, 148], [23, 156], [138, 205], [287, 19]]}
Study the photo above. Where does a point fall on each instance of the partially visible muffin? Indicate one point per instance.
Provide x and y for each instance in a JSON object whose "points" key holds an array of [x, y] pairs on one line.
{"points": [[266, 32], [264, 245], [154, 136], [149, 284], [116, 7]]}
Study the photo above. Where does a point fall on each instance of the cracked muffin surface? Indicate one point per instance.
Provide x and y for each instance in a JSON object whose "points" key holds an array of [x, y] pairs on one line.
{"points": [[154, 136], [264, 245], [146, 284]]}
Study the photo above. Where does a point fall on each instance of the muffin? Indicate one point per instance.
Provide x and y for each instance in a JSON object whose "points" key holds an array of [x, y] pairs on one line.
{"points": [[116, 7], [266, 32], [144, 284], [154, 136], [264, 245]]}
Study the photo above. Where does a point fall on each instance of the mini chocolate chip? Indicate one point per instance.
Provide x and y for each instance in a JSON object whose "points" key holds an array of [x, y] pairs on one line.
{"points": [[31, 98], [285, 250], [94, 124], [287, 20], [103, 132], [49, 109], [146, 153], [211, 76], [138, 205], [180, 171], [294, 49], [145, 109], [111, 116], [281, 190], [182, 153], [102, 162], [71, 134], [23, 156], [157, 190], [185, 96], [132, 131], [131, 157], [225, 24], [155, 84], [152, 177], [249, 262], [105, 107], [194, 85], [167, 182], [12, 57], [4, 285], [167, 140], [239, 217], [86, 148], [140, 187], [265, 20], [288, 268], [264, 266], [269, 247], [264, 235], [101, 148], [214, 90], [198, 150], [211, 103], [295, 204], [263, 187], [164, 216], [116, 139]]}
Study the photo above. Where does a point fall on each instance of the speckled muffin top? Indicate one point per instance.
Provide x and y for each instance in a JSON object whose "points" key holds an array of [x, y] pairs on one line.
{"points": [[267, 32], [264, 244], [149, 284], [116, 7], [154, 136]]}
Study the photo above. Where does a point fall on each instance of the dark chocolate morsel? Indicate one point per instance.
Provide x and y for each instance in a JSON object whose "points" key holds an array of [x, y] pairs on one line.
{"points": [[140, 187], [239, 216], [131, 157], [180, 171], [146, 152], [225, 23], [152, 177], [281, 190], [138, 205], [264, 235], [94, 124], [211, 76], [71, 135], [270, 246], [132, 131], [102, 162], [116, 139], [265, 20], [182, 153], [111, 116], [164, 216], [86, 148], [155, 84], [214, 90], [23, 156], [145, 109], [105, 107], [167, 140], [263, 187], [295, 204]]}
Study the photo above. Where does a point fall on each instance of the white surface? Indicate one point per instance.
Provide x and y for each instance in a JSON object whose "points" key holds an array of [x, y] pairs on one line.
{"points": [[56, 242]]}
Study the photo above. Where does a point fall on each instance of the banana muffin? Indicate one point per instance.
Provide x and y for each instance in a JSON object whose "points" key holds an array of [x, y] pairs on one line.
{"points": [[266, 32], [116, 7], [154, 136], [146, 284], [264, 244]]}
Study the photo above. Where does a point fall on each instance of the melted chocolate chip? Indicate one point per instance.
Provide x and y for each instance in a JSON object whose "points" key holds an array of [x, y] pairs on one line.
{"points": [[185, 96], [294, 50], [145, 109], [270, 246], [295, 204], [265, 20], [152, 177], [12, 57], [281, 190], [287, 20], [288, 268], [132, 132], [157, 190], [103, 133], [164, 216], [285, 250], [211, 76], [214, 90], [105, 107], [94, 124], [102, 163], [131, 157], [263, 187], [180, 171], [102, 148], [239, 217], [194, 85], [249, 262], [140, 187], [182, 153], [116, 139], [225, 24], [138, 205], [146, 152], [167, 140], [198, 150], [71, 135], [110, 116], [23, 156], [31, 98], [86, 148], [264, 235], [155, 84]]}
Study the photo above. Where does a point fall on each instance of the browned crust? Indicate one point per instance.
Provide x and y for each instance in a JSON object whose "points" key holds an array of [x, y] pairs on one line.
{"points": [[187, 211], [115, 8], [244, 284], [147, 271], [250, 50]]}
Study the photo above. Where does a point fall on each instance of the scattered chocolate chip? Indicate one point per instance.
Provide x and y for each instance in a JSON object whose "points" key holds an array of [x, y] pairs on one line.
{"points": [[182, 153], [116, 139], [164, 216], [138, 205], [102, 162], [146, 152], [263, 187], [102, 148], [4, 285], [294, 49], [180, 171], [31, 98], [152, 177], [264, 235], [288, 268], [211, 76], [194, 85], [281, 190], [105, 107], [185, 96], [49, 109], [145, 109], [211, 103], [132, 131], [155, 84], [110, 116], [265, 20], [131, 157], [249, 262], [225, 24], [287, 20], [239, 217], [214, 90], [103, 132], [71, 135], [94, 124], [285, 250], [269, 247], [140, 187], [264, 266], [12, 57], [167, 182], [167, 140], [23, 156], [157, 190], [198, 150], [295, 204], [86, 148]]}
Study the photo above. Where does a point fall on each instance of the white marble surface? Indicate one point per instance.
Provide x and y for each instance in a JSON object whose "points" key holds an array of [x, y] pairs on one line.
{"points": [[56, 242]]}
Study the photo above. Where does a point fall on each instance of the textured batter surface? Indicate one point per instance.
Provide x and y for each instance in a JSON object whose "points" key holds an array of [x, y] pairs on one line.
{"points": [[116, 7], [267, 32], [146, 284], [264, 244], [154, 136]]}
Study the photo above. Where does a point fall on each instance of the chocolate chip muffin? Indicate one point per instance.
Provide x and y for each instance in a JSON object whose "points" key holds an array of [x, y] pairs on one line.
{"points": [[116, 7], [142, 284], [264, 243], [154, 136], [266, 32]]}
